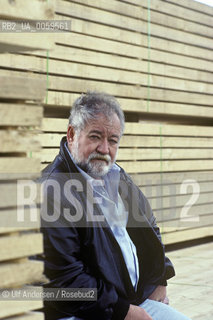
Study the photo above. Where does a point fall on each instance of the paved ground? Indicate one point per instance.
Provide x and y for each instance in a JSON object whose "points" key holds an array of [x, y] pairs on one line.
{"points": [[191, 291]]}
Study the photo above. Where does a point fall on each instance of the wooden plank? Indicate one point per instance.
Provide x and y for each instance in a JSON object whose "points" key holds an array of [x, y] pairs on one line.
{"points": [[65, 99], [129, 8], [47, 155], [16, 274], [29, 316], [109, 46], [162, 189], [38, 64], [104, 45], [185, 235], [32, 10], [9, 193], [27, 115], [189, 217], [18, 141], [180, 48], [197, 6], [106, 31], [179, 60], [179, 200], [130, 91], [113, 19], [22, 88], [181, 24], [103, 59], [54, 125], [53, 140], [20, 41], [120, 76], [9, 221], [119, 7], [14, 167], [145, 128], [166, 166], [175, 8], [13, 247], [163, 166], [93, 29], [181, 225], [72, 9], [153, 179], [12, 307], [179, 35]]}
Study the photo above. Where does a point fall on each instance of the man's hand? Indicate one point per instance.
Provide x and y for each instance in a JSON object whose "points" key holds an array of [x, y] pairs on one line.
{"points": [[159, 295], [137, 313]]}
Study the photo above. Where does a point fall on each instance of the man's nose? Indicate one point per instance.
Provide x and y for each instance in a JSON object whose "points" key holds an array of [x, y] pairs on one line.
{"points": [[103, 147]]}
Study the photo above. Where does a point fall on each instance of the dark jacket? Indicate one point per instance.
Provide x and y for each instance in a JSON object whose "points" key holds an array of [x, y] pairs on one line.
{"points": [[83, 254]]}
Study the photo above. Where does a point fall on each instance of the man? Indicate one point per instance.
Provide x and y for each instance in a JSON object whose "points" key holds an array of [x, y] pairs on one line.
{"points": [[99, 230]]}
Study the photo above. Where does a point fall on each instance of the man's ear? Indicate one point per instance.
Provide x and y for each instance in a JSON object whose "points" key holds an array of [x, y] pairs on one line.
{"points": [[70, 135]]}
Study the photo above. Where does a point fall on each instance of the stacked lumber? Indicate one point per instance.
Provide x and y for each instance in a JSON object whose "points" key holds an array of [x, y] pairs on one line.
{"points": [[20, 116], [21, 112], [19, 15], [156, 58]]}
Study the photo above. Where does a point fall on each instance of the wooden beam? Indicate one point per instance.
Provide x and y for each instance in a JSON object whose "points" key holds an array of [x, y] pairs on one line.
{"points": [[48, 155], [185, 235], [9, 193], [16, 274], [53, 140], [18, 168], [12, 308], [27, 115], [18, 141], [181, 225], [22, 88], [139, 106], [180, 200], [196, 6], [23, 10], [106, 60], [13, 247], [130, 91], [129, 37], [9, 220], [124, 22], [20, 41], [153, 179]]}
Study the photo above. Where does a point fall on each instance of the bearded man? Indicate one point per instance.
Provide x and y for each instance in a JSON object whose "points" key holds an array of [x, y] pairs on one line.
{"points": [[99, 230]]}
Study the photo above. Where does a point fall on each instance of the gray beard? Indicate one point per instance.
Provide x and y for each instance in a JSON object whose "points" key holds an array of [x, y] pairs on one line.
{"points": [[93, 168]]}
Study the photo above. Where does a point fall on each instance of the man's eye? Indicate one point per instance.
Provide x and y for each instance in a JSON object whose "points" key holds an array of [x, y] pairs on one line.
{"points": [[95, 137], [112, 141]]}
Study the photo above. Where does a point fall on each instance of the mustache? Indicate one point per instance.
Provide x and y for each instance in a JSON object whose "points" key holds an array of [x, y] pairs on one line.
{"points": [[99, 156]]}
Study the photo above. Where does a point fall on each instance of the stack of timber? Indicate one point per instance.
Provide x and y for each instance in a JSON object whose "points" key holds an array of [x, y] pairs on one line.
{"points": [[19, 15], [156, 58], [21, 113]]}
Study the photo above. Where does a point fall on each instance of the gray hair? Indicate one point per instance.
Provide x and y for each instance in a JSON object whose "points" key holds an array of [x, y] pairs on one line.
{"points": [[90, 105]]}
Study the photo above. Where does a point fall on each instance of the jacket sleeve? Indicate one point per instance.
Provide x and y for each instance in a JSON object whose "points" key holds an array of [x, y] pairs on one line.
{"points": [[65, 268]]}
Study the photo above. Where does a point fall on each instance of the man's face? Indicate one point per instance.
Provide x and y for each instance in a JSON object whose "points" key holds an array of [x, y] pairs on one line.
{"points": [[94, 149]]}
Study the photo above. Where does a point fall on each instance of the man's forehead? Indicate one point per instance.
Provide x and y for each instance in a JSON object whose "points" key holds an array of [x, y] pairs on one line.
{"points": [[103, 124]]}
